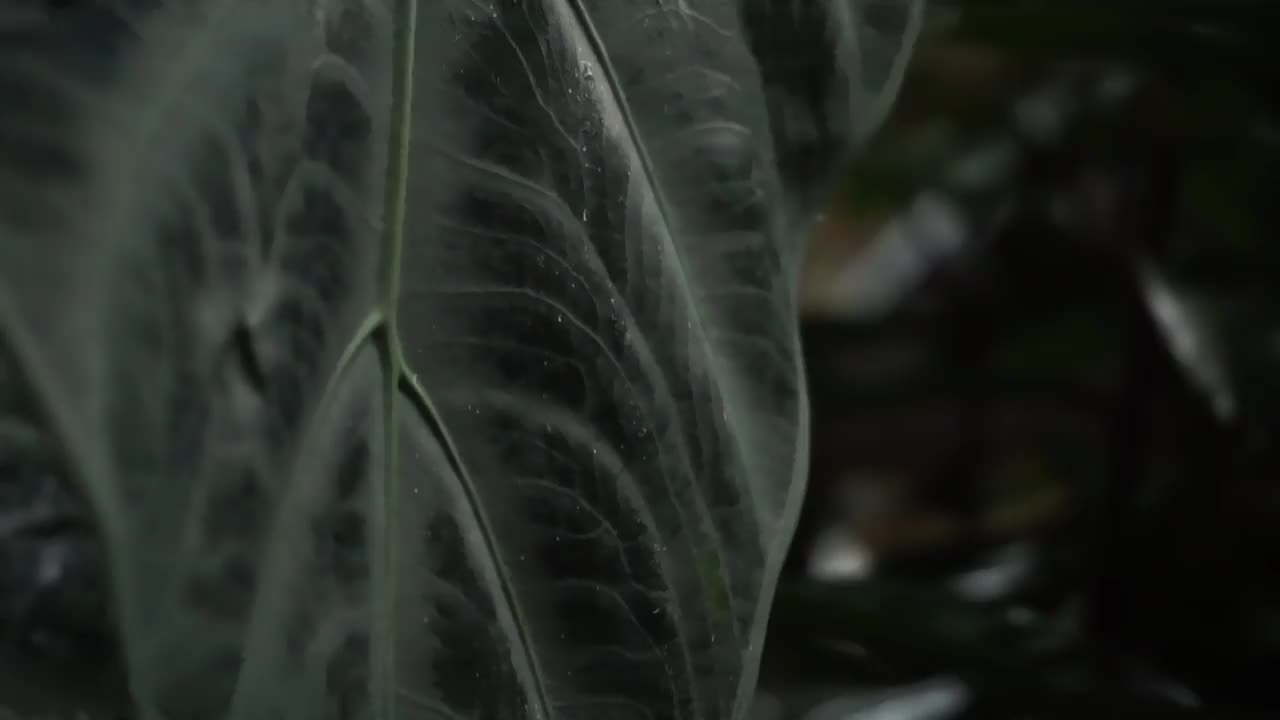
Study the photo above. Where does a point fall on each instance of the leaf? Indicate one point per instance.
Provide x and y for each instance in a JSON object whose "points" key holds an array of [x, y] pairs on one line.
{"points": [[427, 360], [1189, 337], [938, 698]]}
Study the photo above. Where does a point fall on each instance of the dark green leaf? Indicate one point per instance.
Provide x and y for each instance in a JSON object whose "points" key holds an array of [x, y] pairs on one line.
{"points": [[427, 360]]}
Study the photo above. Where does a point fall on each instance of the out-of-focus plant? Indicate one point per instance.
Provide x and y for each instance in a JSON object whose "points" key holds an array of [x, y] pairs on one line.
{"points": [[1043, 338]]}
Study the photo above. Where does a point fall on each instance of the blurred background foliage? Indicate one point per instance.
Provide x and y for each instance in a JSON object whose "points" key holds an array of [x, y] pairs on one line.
{"points": [[1042, 336]]}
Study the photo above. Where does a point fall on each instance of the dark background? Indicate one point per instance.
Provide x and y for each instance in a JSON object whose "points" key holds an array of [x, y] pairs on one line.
{"points": [[1042, 329]]}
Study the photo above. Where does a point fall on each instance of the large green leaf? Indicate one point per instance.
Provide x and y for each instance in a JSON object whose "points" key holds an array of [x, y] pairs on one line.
{"points": [[423, 360]]}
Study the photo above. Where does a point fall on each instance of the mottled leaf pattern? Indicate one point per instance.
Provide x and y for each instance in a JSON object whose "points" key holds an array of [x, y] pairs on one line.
{"points": [[427, 359]]}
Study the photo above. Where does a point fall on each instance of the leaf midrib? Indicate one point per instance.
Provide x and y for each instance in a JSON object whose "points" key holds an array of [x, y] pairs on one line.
{"points": [[397, 375]]}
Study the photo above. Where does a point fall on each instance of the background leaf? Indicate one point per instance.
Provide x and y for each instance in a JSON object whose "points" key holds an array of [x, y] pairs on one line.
{"points": [[1041, 346]]}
